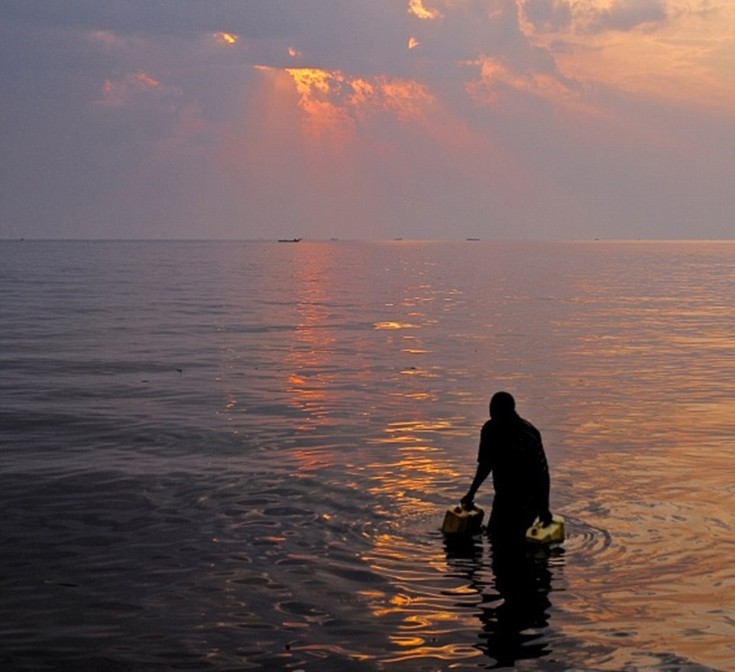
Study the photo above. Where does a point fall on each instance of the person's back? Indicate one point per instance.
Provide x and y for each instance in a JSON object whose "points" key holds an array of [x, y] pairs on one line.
{"points": [[511, 448], [516, 453]]}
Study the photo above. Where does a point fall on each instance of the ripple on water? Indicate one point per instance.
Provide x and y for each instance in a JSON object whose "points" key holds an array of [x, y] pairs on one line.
{"points": [[587, 542]]}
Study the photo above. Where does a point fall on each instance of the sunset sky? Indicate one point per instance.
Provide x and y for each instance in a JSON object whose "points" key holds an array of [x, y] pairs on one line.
{"points": [[561, 119]]}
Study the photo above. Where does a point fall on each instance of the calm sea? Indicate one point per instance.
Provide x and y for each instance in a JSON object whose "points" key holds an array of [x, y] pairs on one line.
{"points": [[237, 456]]}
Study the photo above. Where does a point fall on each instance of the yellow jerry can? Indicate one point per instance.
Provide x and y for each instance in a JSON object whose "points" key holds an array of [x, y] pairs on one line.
{"points": [[458, 520], [537, 534]]}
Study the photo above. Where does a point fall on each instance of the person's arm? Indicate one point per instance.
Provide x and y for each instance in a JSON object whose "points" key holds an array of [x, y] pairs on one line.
{"points": [[544, 511], [482, 472], [543, 485]]}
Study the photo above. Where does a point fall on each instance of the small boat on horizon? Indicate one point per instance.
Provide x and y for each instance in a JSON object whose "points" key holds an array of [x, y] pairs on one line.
{"points": [[289, 240]]}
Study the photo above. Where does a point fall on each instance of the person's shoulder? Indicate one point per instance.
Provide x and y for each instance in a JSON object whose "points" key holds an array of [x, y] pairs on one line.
{"points": [[527, 428]]}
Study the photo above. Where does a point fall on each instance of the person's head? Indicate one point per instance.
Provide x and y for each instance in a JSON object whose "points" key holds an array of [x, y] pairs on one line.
{"points": [[502, 406]]}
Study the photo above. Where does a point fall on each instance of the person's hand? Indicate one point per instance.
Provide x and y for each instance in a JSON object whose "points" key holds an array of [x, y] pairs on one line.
{"points": [[468, 501], [545, 518]]}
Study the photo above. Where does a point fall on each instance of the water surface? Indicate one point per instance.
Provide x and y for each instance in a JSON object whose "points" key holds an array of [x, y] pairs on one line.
{"points": [[235, 456]]}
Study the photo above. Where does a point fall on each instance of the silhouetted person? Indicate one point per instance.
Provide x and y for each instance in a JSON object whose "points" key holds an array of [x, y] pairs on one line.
{"points": [[511, 448]]}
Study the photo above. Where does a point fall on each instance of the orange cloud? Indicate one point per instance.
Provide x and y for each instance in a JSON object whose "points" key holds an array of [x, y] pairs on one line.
{"points": [[329, 98], [320, 92], [227, 39], [311, 80], [497, 82], [416, 7], [408, 99], [669, 49]]}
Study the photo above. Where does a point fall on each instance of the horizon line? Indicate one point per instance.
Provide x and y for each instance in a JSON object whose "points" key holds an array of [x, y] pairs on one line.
{"points": [[470, 239]]}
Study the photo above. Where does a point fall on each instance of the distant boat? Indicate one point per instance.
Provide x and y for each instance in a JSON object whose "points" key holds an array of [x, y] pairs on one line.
{"points": [[289, 240], [473, 239]]}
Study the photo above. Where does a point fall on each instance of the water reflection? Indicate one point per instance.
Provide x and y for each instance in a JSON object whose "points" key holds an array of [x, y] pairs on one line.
{"points": [[310, 376], [514, 608]]}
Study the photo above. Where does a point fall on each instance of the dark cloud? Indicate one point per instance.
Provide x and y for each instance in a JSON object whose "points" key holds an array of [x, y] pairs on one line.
{"points": [[254, 18], [360, 37], [356, 36], [621, 15], [547, 15], [626, 15]]}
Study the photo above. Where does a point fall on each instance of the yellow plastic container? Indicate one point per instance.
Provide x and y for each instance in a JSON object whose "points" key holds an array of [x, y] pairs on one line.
{"points": [[537, 534], [458, 520]]}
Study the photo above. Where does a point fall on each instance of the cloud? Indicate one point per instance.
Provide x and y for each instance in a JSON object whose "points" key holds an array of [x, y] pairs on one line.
{"points": [[624, 15], [417, 8], [321, 90], [227, 39], [405, 113], [274, 18], [555, 16], [112, 42], [135, 89], [496, 83]]}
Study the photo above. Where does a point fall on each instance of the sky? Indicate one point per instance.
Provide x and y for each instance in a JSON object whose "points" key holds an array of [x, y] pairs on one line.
{"points": [[367, 119]]}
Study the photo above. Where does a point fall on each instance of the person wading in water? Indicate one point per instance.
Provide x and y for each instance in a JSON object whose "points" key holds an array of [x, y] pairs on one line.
{"points": [[511, 448]]}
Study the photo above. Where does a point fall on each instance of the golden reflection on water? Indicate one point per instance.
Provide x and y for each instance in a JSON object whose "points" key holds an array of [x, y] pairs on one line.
{"points": [[410, 476], [415, 605], [394, 326], [308, 382], [640, 423], [633, 397], [407, 431]]}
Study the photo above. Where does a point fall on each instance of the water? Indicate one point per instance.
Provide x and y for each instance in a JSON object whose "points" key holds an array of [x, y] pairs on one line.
{"points": [[236, 456]]}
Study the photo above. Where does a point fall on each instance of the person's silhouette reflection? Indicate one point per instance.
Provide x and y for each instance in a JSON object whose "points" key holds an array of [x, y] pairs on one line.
{"points": [[512, 630], [514, 607]]}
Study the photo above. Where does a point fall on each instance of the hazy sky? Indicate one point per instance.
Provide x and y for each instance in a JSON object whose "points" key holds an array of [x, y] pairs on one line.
{"points": [[367, 118]]}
